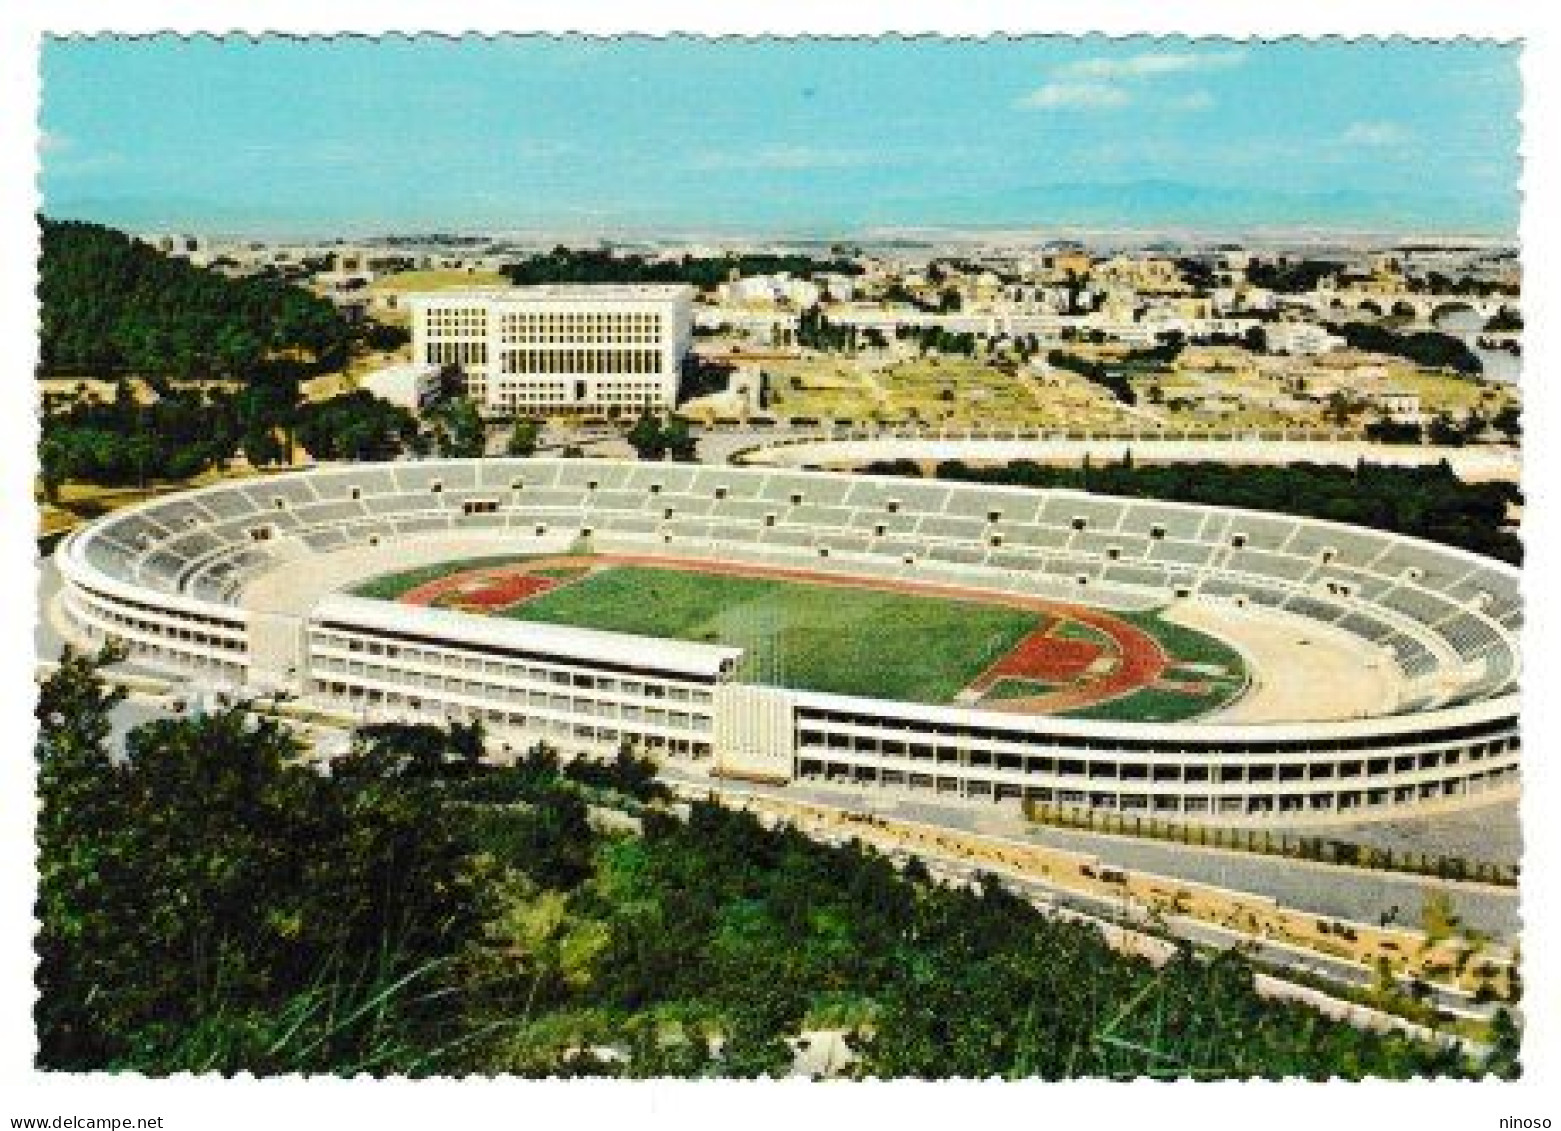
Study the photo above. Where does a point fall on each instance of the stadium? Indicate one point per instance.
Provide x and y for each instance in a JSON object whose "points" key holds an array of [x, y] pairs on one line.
{"points": [[962, 640]]}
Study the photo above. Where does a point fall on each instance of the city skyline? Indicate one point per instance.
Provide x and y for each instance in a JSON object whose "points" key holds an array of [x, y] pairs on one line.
{"points": [[812, 136]]}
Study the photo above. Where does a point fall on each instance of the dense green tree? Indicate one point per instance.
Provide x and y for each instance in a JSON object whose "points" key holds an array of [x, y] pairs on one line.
{"points": [[595, 265], [646, 437], [678, 439], [207, 903], [53, 467], [111, 304], [458, 429], [1429, 348], [523, 437], [356, 425], [1427, 502]]}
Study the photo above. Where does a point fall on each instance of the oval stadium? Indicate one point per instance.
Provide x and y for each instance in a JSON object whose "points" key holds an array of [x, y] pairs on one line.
{"points": [[963, 640]]}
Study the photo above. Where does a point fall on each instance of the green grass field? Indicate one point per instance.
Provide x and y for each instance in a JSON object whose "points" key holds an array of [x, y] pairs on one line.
{"points": [[845, 639], [828, 638], [1012, 688]]}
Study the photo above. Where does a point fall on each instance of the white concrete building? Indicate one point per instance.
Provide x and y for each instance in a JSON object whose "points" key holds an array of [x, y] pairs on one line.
{"points": [[1401, 405], [241, 585], [1300, 338], [559, 348]]}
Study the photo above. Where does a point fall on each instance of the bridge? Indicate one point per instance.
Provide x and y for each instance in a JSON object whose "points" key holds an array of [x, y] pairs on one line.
{"points": [[1423, 308]]}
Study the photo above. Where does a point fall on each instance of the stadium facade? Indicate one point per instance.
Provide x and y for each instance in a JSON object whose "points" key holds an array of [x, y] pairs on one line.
{"points": [[557, 348], [245, 584]]}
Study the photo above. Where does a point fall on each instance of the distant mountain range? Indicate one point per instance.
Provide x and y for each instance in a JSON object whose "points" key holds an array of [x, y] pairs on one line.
{"points": [[1137, 205], [1155, 203]]}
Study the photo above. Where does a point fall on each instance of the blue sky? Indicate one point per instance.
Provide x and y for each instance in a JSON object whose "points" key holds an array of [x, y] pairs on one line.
{"points": [[588, 136]]}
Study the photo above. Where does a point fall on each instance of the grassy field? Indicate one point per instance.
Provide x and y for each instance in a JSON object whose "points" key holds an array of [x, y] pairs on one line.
{"points": [[951, 392], [847, 640], [829, 638], [1012, 688], [438, 279], [1155, 705]]}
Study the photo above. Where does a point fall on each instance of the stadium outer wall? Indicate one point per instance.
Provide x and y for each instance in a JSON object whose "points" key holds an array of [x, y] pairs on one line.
{"points": [[166, 579]]}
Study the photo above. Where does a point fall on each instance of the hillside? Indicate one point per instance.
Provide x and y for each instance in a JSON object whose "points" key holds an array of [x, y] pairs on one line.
{"points": [[550, 919], [112, 305]]}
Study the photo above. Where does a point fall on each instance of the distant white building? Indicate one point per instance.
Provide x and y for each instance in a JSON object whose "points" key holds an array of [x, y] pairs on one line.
{"points": [[1301, 338], [766, 289], [559, 348], [413, 386], [1400, 405]]}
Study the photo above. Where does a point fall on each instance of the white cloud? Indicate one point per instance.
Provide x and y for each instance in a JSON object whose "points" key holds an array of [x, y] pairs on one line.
{"points": [[1105, 83], [1149, 65], [1076, 96], [1376, 134]]}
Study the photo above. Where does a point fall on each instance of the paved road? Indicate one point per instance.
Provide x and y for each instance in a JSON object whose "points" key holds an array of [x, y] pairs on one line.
{"points": [[1322, 889], [1276, 955]]}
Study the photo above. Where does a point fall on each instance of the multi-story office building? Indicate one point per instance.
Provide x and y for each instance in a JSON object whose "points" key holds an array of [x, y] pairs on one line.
{"points": [[559, 349]]}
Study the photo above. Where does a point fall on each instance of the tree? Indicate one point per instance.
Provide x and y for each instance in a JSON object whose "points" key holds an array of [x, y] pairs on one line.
{"points": [[1505, 320], [356, 425], [207, 903], [1506, 1042], [263, 448], [1386, 430], [54, 467], [113, 305], [678, 440], [1446, 432], [458, 429], [646, 437], [523, 437]]}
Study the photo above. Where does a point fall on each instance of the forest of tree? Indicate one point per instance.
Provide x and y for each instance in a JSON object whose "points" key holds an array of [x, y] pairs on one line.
{"points": [[1113, 379], [1291, 277], [1430, 348], [1425, 502], [593, 265], [655, 436], [209, 903], [113, 305], [187, 431]]}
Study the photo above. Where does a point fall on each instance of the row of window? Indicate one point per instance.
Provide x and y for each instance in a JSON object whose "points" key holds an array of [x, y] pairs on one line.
{"points": [[455, 661], [455, 327], [517, 320], [437, 685], [1491, 735], [456, 353], [810, 770], [171, 630], [564, 730], [1062, 765], [581, 361]]}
